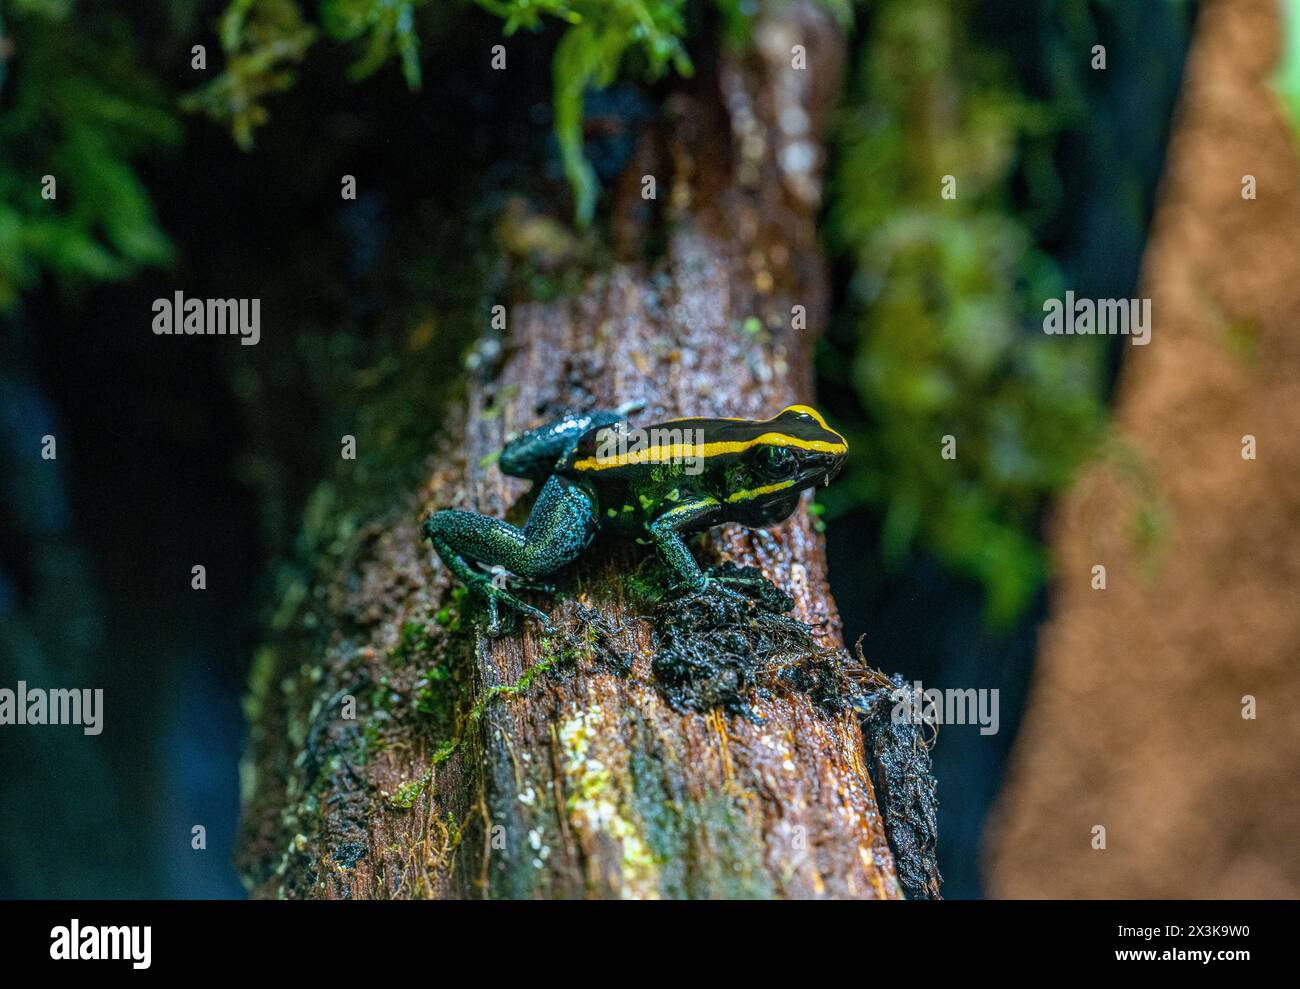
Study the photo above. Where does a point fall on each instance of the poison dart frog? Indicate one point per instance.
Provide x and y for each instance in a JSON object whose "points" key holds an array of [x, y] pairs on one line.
{"points": [[666, 482]]}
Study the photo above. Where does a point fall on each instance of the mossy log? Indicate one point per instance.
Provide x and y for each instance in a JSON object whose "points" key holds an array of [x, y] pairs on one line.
{"points": [[553, 766]]}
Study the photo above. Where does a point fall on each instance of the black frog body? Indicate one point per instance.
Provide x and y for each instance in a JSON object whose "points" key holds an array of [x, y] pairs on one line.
{"points": [[661, 481]]}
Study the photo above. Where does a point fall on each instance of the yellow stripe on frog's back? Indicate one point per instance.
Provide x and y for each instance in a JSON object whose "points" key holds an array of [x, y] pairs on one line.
{"points": [[678, 452]]}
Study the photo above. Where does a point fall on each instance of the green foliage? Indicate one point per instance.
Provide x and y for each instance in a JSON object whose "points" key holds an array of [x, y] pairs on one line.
{"points": [[79, 110], [390, 25], [946, 329], [261, 39], [1287, 79], [601, 33]]}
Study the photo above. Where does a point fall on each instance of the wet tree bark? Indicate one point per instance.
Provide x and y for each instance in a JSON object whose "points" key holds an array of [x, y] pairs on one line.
{"points": [[536, 766]]}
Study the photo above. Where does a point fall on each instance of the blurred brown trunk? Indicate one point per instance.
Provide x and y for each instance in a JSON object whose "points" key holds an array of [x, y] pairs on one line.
{"points": [[1143, 718], [570, 776]]}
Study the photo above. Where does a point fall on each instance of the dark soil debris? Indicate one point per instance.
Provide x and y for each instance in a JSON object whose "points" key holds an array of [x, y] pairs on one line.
{"points": [[905, 786], [720, 649]]}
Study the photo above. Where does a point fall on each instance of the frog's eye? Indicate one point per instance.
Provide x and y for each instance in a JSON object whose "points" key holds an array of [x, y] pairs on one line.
{"points": [[776, 462]]}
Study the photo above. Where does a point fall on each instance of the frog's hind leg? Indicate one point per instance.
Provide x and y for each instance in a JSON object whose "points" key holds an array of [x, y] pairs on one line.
{"points": [[535, 453], [561, 525]]}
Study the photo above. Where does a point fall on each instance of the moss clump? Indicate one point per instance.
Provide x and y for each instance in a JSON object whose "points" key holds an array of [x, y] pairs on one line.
{"points": [[413, 640], [449, 615], [264, 40], [405, 796], [439, 699]]}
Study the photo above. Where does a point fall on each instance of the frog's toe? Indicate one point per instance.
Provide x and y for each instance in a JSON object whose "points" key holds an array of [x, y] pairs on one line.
{"points": [[502, 579], [729, 573], [537, 587], [502, 607], [736, 580], [707, 584], [496, 628], [498, 599], [719, 584]]}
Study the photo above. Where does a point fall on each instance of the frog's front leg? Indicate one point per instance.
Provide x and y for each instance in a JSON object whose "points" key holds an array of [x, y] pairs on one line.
{"points": [[560, 526], [667, 532]]}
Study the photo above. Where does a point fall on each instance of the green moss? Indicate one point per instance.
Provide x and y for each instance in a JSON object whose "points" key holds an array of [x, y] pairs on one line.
{"points": [[1241, 336], [1149, 525], [589, 56], [382, 698], [413, 640], [817, 510], [452, 721], [373, 740], [943, 336], [261, 40], [648, 583], [78, 108], [449, 615], [438, 695], [726, 853], [659, 815], [551, 658], [1286, 79], [595, 803], [405, 796], [264, 39], [261, 680]]}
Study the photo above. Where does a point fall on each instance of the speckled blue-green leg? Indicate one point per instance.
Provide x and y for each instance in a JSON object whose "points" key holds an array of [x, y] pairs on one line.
{"points": [[535, 453], [666, 530], [562, 523], [667, 533]]}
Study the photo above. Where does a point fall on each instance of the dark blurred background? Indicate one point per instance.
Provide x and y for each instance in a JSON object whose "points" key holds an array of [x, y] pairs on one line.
{"points": [[171, 455]]}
